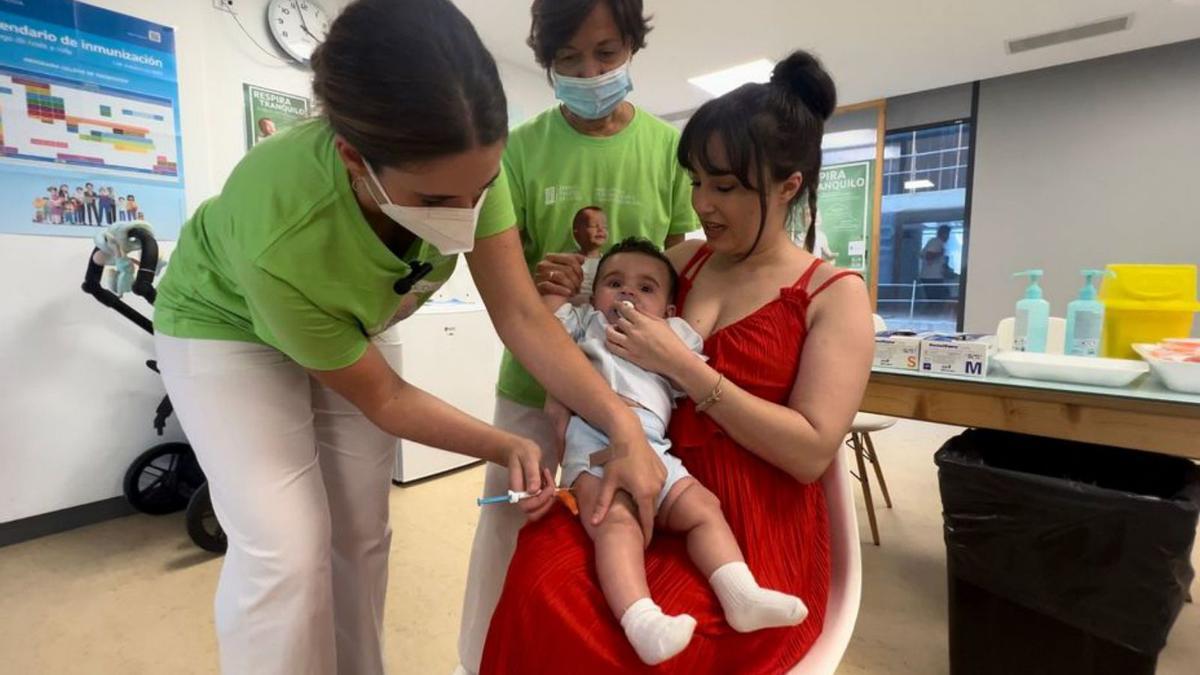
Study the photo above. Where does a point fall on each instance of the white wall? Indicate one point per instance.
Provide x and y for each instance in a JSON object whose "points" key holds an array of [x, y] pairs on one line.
{"points": [[76, 402], [527, 90], [1079, 166]]}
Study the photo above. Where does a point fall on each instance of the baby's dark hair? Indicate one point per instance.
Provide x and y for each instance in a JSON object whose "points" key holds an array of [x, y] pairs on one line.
{"points": [[644, 247], [579, 215]]}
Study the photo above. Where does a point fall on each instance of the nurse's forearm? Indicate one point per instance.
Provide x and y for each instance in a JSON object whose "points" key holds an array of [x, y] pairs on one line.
{"points": [[405, 411], [538, 341], [417, 415]]}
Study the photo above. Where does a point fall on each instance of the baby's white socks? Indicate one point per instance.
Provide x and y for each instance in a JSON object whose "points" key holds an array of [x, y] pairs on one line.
{"points": [[655, 636], [750, 607]]}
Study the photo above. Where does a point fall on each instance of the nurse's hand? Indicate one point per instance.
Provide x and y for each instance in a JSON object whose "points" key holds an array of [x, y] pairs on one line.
{"points": [[636, 469], [559, 274], [525, 473]]}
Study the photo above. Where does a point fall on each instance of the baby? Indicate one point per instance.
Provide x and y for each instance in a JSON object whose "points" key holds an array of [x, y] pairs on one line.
{"points": [[636, 272], [590, 230]]}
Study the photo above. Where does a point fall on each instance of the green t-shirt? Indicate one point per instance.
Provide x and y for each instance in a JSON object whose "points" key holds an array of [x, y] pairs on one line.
{"points": [[283, 256], [554, 171]]}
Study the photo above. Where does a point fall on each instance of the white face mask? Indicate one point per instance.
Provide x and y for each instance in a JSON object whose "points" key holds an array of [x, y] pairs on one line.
{"points": [[449, 229]]}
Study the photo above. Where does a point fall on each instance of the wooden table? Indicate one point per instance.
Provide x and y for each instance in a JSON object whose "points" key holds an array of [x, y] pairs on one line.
{"points": [[1145, 416]]}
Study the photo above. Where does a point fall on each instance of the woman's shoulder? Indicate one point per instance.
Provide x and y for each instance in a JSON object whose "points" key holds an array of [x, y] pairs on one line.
{"points": [[681, 253], [290, 182], [535, 127], [534, 141], [649, 123], [291, 170], [832, 286]]}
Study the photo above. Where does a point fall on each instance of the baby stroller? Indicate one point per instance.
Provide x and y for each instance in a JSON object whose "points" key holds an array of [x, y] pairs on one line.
{"points": [[166, 478]]}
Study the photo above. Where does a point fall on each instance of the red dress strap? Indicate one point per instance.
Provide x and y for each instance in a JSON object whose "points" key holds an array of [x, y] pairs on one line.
{"points": [[802, 282], [697, 261], [829, 282]]}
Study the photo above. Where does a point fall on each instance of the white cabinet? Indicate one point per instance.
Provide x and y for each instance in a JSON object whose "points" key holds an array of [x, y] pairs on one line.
{"points": [[451, 351]]}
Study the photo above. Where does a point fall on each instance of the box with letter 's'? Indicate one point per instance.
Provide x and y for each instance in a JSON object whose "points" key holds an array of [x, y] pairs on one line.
{"points": [[900, 349]]}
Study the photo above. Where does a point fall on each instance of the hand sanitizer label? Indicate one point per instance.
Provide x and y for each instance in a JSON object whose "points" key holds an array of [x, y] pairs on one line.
{"points": [[1086, 340], [1021, 331]]}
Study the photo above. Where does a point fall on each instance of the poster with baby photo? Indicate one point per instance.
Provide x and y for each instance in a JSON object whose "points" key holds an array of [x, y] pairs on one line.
{"points": [[268, 112]]}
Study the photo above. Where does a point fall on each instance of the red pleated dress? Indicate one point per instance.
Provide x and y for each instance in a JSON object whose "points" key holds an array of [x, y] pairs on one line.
{"points": [[552, 617]]}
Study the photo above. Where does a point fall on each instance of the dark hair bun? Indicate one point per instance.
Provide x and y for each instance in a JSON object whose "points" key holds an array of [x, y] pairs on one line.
{"points": [[803, 75]]}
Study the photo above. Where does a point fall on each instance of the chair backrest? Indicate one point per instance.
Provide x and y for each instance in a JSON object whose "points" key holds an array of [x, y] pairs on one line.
{"points": [[845, 581], [1056, 335], [880, 324]]}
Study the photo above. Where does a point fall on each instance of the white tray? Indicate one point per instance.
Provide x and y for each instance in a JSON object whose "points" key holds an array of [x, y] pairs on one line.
{"points": [[1090, 370], [1176, 375]]}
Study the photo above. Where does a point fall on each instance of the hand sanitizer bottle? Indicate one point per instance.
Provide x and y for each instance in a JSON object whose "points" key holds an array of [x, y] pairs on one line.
{"points": [[1085, 318], [1033, 316]]}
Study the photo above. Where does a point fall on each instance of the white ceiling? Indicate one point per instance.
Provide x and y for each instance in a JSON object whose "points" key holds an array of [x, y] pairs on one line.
{"points": [[873, 48]]}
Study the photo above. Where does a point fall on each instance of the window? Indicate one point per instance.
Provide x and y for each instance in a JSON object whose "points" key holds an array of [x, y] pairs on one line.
{"points": [[923, 227]]}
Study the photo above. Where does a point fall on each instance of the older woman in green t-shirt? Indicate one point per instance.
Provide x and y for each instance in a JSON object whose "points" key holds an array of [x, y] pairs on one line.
{"points": [[594, 152], [321, 238]]}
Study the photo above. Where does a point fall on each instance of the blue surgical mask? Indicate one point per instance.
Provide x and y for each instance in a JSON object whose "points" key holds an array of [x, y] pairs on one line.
{"points": [[593, 98]]}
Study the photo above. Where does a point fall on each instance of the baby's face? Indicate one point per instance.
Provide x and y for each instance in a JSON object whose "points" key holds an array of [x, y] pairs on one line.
{"points": [[635, 278], [592, 233]]}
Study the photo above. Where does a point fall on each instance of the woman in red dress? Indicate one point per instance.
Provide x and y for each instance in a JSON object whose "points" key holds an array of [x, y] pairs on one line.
{"points": [[789, 341]]}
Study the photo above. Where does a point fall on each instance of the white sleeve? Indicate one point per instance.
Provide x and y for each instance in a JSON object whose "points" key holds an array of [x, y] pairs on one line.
{"points": [[694, 342], [574, 319], [688, 334]]}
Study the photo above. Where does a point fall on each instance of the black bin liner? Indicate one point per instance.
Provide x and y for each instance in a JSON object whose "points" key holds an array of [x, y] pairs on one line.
{"points": [[1095, 538]]}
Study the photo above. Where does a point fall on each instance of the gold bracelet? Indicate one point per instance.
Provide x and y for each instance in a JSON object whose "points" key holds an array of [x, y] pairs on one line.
{"points": [[714, 397]]}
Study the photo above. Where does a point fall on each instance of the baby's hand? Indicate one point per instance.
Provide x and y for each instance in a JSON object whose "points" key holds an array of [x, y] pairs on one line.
{"points": [[646, 341]]}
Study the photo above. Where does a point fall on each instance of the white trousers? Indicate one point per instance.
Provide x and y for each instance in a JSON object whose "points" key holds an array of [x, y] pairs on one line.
{"points": [[496, 534], [299, 480]]}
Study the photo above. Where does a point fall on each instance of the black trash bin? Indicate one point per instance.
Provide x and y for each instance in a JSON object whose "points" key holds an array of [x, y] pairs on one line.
{"points": [[1063, 557]]}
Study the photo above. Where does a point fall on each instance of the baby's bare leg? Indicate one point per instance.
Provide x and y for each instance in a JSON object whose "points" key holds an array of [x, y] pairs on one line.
{"points": [[621, 566], [620, 562], [691, 508]]}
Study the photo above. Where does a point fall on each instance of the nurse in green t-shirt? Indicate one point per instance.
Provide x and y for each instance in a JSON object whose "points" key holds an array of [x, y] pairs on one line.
{"points": [[594, 151], [321, 238]]}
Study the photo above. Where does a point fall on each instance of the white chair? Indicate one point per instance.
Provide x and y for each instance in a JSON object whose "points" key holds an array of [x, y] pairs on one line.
{"points": [[880, 324], [845, 578], [860, 442], [1056, 335]]}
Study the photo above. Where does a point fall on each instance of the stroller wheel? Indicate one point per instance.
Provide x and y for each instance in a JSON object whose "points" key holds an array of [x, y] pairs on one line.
{"points": [[163, 478], [202, 525]]}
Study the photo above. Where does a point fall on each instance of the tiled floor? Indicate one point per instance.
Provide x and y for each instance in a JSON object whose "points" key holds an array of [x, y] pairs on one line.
{"points": [[133, 595]]}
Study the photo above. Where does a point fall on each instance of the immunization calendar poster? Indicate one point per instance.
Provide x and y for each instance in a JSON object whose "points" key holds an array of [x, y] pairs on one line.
{"points": [[89, 121]]}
